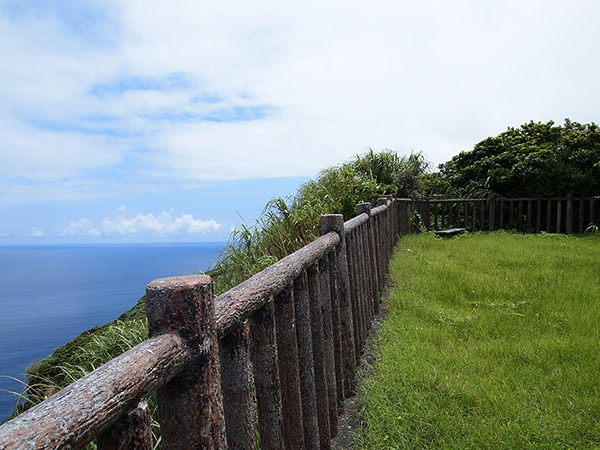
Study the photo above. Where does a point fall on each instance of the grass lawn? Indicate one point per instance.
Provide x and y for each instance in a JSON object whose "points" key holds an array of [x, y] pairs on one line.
{"points": [[492, 341]]}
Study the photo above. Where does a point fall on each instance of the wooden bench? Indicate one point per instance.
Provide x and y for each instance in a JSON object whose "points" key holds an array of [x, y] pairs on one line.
{"points": [[450, 232]]}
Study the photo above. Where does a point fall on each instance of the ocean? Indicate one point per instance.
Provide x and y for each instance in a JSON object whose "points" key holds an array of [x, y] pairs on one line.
{"points": [[51, 294]]}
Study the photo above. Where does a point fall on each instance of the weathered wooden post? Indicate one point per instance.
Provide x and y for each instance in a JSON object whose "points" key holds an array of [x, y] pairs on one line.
{"points": [[289, 371], [266, 377], [482, 203], [306, 363], [492, 214], [548, 215], [377, 231], [384, 233], [443, 215], [365, 208], [538, 221], [190, 406], [238, 393], [131, 432], [569, 212], [335, 222], [354, 295], [520, 215], [328, 343], [320, 362], [581, 224], [336, 328], [558, 216]]}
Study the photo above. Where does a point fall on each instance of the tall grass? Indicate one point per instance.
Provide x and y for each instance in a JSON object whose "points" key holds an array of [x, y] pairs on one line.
{"points": [[284, 226], [492, 341], [288, 224]]}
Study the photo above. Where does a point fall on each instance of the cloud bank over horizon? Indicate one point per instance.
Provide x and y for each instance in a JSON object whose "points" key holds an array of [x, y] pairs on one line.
{"points": [[129, 99], [162, 225], [190, 91]]}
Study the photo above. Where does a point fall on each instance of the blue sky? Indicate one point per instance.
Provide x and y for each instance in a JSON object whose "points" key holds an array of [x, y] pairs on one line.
{"points": [[171, 121]]}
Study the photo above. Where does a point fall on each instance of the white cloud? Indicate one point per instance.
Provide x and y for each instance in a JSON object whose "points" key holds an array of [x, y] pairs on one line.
{"points": [[144, 225], [159, 225], [82, 227], [37, 232], [131, 96]]}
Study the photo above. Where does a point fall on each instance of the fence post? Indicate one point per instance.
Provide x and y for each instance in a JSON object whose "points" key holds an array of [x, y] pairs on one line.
{"points": [[336, 329], [306, 362], [131, 432], [569, 225], [383, 233], [238, 394], [266, 377], [558, 216], [289, 370], [371, 256], [335, 222], [318, 346], [190, 406], [354, 294], [328, 343], [581, 224]]}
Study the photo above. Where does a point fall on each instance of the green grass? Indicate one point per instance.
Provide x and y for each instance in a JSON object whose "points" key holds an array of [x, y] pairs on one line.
{"points": [[492, 341]]}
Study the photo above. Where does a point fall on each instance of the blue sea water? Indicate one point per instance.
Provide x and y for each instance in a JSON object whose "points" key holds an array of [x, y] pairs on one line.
{"points": [[51, 294]]}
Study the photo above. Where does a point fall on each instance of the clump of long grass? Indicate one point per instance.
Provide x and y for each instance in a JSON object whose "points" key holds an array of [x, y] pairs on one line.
{"points": [[288, 224], [81, 356]]}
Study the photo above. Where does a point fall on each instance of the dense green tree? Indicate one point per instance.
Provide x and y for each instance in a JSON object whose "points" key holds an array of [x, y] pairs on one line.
{"points": [[534, 160]]}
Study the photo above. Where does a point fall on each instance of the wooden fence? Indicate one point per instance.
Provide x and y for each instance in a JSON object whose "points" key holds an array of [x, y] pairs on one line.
{"points": [[552, 215], [277, 353]]}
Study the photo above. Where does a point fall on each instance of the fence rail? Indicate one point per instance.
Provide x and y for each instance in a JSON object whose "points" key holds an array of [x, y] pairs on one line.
{"points": [[553, 215], [277, 353]]}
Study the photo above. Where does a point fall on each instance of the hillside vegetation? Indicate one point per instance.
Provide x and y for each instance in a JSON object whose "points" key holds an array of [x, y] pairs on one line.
{"points": [[285, 225]]}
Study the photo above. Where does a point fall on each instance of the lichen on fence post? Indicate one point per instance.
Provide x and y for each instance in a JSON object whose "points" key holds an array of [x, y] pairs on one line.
{"points": [[335, 222], [190, 406], [320, 362], [237, 387], [353, 292], [371, 255], [131, 432], [306, 362], [331, 309], [287, 356], [266, 377]]}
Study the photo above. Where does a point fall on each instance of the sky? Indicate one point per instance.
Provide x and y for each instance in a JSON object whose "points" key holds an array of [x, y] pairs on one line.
{"points": [[156, 121]]}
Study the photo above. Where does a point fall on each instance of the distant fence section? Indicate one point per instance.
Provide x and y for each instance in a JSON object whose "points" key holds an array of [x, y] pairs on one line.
{"points": [[553, 215], [273, 357]]}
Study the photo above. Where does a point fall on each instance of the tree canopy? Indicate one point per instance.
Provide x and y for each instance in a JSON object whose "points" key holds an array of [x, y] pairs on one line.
{"points": [[534, 160]]}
